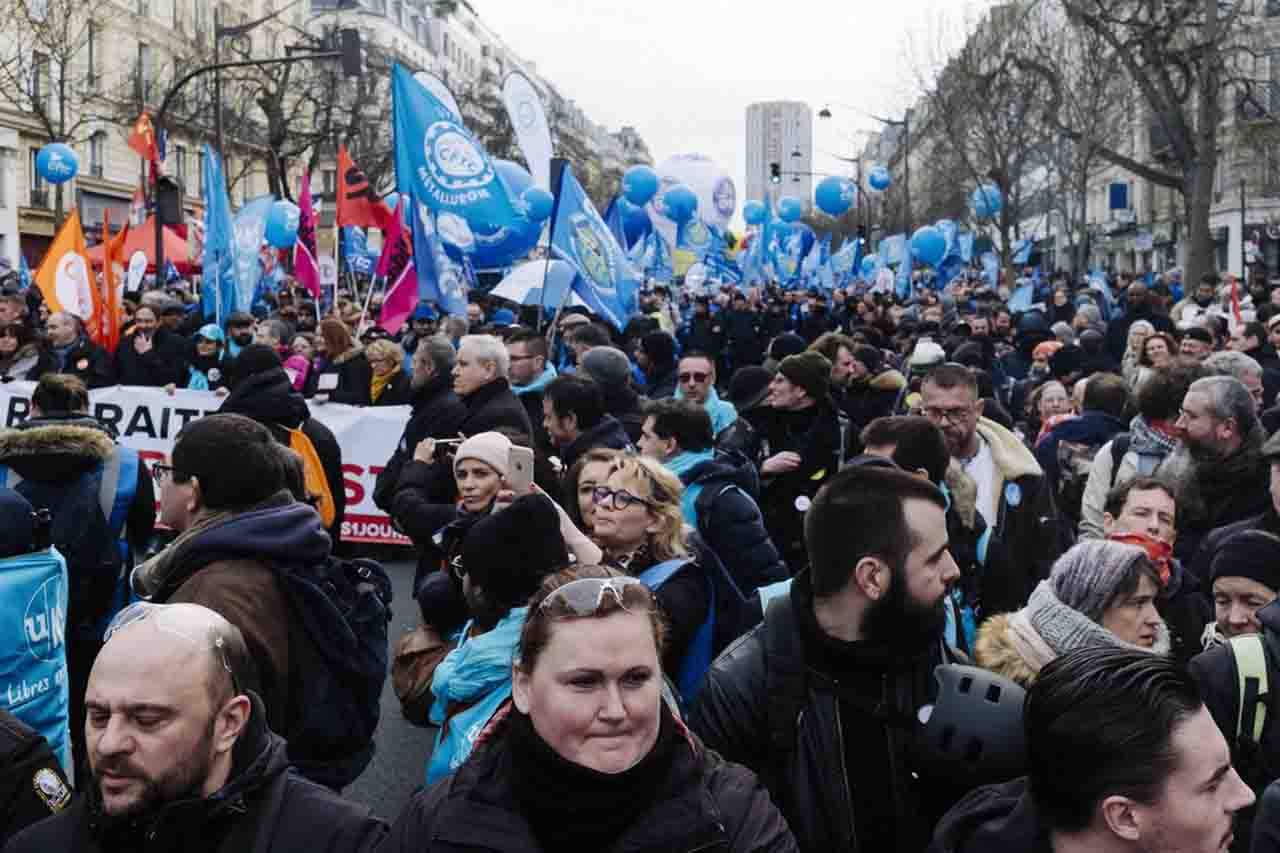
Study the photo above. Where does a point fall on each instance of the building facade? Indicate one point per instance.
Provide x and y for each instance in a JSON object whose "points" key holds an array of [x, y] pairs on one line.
{"points": [[780, 132]]}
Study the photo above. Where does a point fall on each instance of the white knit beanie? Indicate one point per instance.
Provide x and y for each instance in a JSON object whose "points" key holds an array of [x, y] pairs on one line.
{"points": [[491, 448]]}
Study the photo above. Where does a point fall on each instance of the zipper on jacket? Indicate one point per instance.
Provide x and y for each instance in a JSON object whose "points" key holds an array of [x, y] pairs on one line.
{"points": [[844, 771]]}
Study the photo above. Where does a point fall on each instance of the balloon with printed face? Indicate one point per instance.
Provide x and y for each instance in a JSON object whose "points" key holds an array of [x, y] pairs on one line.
{"points": [[680, 204], [928, 245], [790, 209], [282, 224], [57, 163], [879, 178], [640, 185], [834, 196], [753, 212]]}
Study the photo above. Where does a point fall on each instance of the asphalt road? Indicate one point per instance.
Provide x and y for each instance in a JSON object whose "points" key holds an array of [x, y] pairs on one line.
{"points": [[401, 760]]}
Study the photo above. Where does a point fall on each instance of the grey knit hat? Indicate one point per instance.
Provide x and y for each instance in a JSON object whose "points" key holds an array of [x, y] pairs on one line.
{"points": [[1086, 577], [608, 366]]}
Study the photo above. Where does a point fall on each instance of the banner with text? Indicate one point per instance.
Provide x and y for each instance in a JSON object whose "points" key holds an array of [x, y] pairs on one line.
{"points": [[149, 420]]}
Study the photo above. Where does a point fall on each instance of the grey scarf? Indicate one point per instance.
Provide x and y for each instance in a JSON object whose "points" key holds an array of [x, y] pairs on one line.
{"points": [[1066, 629]]}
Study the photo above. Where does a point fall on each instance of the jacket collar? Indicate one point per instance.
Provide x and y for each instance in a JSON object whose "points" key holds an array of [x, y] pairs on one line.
{"points": [[1011, 455], [486, 392]]}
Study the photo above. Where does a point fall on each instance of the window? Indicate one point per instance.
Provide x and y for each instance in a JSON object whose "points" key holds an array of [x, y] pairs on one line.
{"points": [[91, 43], [39, 190], [144, 71], [330, 181], [180, 166], [6, 159], [98, 154], [39, 78]]}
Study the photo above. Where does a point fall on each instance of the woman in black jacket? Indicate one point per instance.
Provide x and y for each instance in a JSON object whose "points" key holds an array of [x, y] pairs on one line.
{"points": [[346, 359], [588, 756]]}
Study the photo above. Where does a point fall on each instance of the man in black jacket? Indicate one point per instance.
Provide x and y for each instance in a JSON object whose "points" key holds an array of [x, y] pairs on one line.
{"points": [[574, 417], [437, 412], [822, 699], [32, 785], [70, 351], [182, 757], [480, 380], [152, 355]]}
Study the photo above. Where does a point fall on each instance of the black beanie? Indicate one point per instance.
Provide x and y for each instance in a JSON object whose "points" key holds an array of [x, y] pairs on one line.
{"points": [[810, 370], [870, 357], [660, 347], [508, 553], [253, 359], [1252, 554], [786, 344]]}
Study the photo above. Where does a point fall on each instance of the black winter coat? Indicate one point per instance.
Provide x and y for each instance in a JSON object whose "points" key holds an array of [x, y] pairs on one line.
{"points": [[814, 433], [437, 413], [993, 817], [661, 384], [811, 779], [704, 804], [85, 360], [32, 786], [494, 407], [705, 333], [269, 399], [1266, 826], [164, 364], [608, 433], [355, 376], [263, 808], [398, 392]]}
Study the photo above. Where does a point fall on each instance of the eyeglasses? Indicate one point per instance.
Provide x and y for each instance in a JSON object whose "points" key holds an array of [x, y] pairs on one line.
{"points": [[583, 597], [620, 498], [160, 473], [694, 377], [954, 416]]}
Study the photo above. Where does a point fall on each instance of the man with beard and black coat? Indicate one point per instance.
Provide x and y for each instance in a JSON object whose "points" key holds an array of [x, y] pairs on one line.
{"points": [[261, 390], [152, 355], [437, 412], [480, 379], [656, 356], [1268, 520], [821, 700], [573, 415], [1221, 470], [182, 757]]}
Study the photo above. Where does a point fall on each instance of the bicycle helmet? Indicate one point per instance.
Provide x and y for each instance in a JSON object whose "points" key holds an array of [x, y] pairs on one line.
{"points": [[973, 732]]}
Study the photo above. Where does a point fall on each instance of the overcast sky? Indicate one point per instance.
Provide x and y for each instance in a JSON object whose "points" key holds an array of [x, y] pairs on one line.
{"points": [[682, 72]]}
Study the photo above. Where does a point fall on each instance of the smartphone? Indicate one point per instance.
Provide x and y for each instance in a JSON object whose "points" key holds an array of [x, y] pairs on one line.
{"points": [[520, 470]]}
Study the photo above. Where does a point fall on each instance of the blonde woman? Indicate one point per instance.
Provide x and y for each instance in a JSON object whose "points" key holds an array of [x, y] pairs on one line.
{"points": [[389, 384]]}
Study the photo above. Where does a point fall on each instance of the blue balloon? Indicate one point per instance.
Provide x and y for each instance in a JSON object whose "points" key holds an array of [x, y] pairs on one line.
{"points": [[538, 203], [640, 185], [680, 204], [57, 163], [879, 178], [834, 196], [635, 221], [869, 266], [282, 224], [986, 201], [790, 209], [753, 212], [928, 245], [498, 245]]}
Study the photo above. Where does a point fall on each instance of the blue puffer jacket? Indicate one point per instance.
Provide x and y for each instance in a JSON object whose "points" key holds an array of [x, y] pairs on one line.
{"points": [[470, 684]]}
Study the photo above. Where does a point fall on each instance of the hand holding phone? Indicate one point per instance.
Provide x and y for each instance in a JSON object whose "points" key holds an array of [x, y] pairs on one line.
{"points": [[519, 470]]}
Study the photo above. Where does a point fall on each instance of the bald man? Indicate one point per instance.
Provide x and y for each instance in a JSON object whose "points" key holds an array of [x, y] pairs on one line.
{"points": [[181, 755]]}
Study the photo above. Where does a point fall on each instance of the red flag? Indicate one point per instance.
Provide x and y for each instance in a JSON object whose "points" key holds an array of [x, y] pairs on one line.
{"points": [[113, 265], [357, 203], [400, 299], [143, 139], [392, 239], [305, 269]]}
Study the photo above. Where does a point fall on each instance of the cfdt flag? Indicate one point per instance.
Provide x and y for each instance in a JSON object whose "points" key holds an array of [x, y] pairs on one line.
{"points": [[65, 277], [440, 163], [606, 281], [218, 291]]}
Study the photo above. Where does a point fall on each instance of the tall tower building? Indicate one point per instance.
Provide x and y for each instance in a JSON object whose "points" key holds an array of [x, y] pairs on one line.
{"points": [[780, 132]]}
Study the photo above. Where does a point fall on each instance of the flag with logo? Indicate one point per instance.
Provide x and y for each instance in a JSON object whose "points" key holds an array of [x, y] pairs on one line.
{"points": [[440, 163], [65, 277], [114, 263], [393, 244], [440, 280], [218, 275], [248, 229], [355, 250], [529, 121], [606, 280], [305, 269], [358, 205]]}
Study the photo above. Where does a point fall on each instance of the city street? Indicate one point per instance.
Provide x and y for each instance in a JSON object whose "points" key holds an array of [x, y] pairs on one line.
{"points": [[398, 767]]}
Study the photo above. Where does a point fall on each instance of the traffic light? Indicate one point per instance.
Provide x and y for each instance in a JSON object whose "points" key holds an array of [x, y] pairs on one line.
{"points": [[775, 173], [169, 201]]}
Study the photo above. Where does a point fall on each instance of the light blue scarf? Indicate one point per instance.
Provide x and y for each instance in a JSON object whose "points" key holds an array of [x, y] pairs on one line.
{"points": [[722, 412], [543, 380], [680, 465]]}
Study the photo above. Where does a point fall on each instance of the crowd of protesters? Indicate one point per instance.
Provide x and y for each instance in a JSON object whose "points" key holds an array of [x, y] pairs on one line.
{"points": [[763, 570]]}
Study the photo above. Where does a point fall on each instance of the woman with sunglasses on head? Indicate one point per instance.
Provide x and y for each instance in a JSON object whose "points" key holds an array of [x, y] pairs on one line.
{"points": [[588, 756]]}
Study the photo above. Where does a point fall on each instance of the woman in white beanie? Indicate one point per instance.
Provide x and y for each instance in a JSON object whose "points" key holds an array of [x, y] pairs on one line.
{"points": [[1099, 593]]}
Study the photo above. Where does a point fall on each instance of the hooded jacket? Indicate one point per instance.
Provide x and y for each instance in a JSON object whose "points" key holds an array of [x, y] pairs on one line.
{"points": [[269, 399], [993, 817], [1147, 449], [608, 433], [1092, 427], [703, 803], [223, 562], [262, 808]]}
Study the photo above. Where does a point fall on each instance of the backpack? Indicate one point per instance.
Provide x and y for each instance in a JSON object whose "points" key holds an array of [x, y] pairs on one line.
{"points": [[1250, 655], [313, 473], [339, 612], [1147, 462], [697, 659], [88, 529], [1075, 460]]}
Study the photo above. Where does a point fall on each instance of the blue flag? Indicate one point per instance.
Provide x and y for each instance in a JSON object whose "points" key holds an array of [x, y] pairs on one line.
{"points": [[355, 250], [613, 218], [218, 291], [24, 274], [440, 163], [1022, 251], [170, 273], [964, 246], [249, 228], [606, 280], [440, 280], [991, 268]]}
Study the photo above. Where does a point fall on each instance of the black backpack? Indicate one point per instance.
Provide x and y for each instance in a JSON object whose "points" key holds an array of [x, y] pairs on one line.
{"points": [[339, 614]]}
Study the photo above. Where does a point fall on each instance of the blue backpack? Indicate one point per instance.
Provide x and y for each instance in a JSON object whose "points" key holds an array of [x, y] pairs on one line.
{"points": [[697, 659]]}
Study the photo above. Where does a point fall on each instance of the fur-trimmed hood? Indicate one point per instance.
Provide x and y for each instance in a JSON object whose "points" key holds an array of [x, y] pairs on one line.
{"points": [[53, 452], [888, 380], [1010, 454], [964, 493], [993, 650]]}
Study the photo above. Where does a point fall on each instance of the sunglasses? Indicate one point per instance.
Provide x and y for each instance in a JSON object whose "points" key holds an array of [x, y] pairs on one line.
{"points": [[619, 498], [584, 597], [694, 377]]}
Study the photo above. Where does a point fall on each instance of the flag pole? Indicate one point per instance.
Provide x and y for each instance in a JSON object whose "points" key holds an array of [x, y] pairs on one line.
{"points": [[558, 166]]}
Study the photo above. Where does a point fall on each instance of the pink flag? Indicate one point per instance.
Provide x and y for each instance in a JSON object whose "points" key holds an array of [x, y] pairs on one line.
{"points": [[392, 238], [305, 269], [400, 300]]}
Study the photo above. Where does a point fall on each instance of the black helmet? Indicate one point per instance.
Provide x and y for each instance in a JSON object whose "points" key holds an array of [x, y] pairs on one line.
{"points": [[973, 732]]}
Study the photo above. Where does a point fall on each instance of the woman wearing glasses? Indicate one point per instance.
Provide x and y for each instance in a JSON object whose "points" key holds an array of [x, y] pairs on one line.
{"points": [[588, 756], [639, 526]]}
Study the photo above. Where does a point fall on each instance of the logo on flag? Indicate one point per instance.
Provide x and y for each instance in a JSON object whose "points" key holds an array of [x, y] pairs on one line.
{"points": [[589, 249], [455, 159], [72, 285]]}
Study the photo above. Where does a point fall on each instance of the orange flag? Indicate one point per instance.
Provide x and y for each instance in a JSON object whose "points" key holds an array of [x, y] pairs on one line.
{"points": [[357, 203], [113, 266], [65, 276], [143, 139]]}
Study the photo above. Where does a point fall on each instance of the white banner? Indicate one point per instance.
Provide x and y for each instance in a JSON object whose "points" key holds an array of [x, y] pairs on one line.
{"points": [[149, 420], [529, 119]]}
